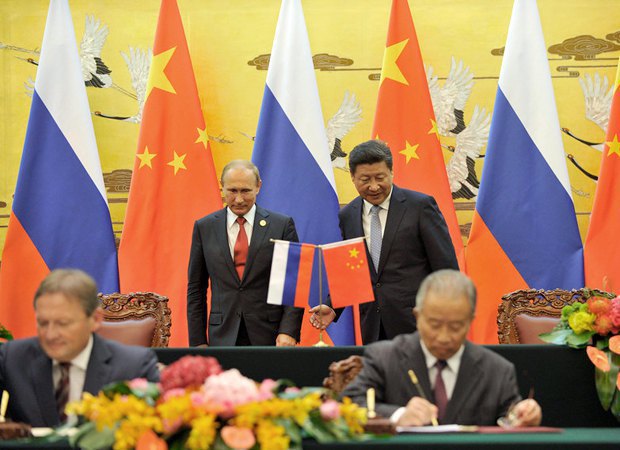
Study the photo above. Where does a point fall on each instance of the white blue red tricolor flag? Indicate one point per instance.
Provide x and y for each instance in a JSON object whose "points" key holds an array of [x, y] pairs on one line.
{"points": [[524, 232], [291, 150], [60, 216], [291, 273]]}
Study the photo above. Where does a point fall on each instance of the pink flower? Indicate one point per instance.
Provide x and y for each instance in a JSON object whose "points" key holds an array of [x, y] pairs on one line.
{"points": [[292, 390], [615, 312], [228, 390], [266, 389], [138, 384], [177, 392], [330, 410]]}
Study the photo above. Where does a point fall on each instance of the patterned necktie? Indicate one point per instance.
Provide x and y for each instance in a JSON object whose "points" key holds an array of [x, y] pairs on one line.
{"points": [[62, 390], [375, 236], [441, 396], [241, 248]]}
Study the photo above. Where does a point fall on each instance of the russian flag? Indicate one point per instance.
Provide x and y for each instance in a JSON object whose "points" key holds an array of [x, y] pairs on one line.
{"points": [[524, 232], [60, 216], [291, 273], [291, 150]]}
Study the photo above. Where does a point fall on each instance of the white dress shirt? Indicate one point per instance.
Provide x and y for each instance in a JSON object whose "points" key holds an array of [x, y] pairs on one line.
{"points": [[449, 374], [233, 227], [77, 372], [383, 213]]}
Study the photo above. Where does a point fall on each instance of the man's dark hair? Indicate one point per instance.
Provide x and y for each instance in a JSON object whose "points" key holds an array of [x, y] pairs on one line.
{"points": [[370, 152]]}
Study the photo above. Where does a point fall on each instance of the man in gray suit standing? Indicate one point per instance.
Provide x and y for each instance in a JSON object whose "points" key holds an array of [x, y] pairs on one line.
{"points": [[458, 382], [232, 249]]}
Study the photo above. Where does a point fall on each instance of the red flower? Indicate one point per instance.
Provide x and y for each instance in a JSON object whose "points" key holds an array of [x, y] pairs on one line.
{"points": [[189, 371], [599, 305], [603, 325]]}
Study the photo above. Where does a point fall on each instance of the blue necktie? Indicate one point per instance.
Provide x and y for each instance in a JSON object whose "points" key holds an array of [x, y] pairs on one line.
{"points": [[375, 236]]}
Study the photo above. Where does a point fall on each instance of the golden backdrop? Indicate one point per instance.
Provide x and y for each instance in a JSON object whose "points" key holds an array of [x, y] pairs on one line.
{"points": [[230, 42]]}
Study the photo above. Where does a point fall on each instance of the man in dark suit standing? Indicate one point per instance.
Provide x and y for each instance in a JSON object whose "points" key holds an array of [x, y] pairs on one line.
{"points": [[458, 382], [42, 374], [232, 248], [408, 239]]}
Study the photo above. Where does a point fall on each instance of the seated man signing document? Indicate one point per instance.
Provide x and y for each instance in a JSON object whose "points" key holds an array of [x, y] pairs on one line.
{"points": [[457, 382]]}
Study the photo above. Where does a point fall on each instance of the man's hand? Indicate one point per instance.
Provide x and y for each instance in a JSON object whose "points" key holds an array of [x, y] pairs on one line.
{"points": [[322, 316], [527, 413], [418, 412], [284, 340]]}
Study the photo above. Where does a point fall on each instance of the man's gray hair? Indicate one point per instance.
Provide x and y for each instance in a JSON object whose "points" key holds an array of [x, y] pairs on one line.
{"points": [[449, 284], [72, 283], [240, 164]]}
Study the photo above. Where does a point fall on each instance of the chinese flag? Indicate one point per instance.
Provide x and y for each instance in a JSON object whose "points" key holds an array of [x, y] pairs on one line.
{"points": [[173, 182], [405, 120], [602, 247], [348, 274]]}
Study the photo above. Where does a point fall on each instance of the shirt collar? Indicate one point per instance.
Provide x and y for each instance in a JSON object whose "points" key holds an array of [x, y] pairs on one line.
{"points": [[384, 205], [81, 360], [454, 362], [231, 217]]}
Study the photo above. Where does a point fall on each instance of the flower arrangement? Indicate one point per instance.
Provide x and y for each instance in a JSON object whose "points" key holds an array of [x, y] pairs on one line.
{"points": [[596, 321], [598, 317], [197, 405]]}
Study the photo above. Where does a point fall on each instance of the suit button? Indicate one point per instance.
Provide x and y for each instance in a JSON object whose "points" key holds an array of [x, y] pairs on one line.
{"points": [[240, 289], [378, 285]]}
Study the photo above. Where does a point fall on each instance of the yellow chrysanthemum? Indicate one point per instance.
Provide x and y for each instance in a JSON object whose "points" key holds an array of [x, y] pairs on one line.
{"points": [[271, 436], [202, 434], [129, 430], [353, 415]]}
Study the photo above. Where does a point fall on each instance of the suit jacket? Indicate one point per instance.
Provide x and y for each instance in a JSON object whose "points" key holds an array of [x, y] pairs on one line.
{"points": [[233, 298], [26, 373], [415, 243], [486, 385]]}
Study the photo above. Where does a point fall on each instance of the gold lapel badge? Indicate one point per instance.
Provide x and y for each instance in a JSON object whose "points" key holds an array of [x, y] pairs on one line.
{"points": [[262, 223]]}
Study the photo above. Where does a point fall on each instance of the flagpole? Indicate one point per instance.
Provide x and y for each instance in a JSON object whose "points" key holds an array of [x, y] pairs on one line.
{"points": [[320, 342]]}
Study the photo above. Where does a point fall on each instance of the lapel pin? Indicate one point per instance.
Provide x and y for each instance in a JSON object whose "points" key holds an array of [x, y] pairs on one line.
{"points": [[262, 223]]}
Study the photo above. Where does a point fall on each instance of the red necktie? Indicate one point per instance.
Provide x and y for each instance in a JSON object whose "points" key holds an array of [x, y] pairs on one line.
{"points": [[241, 248], [62, 390], [441, 397]]}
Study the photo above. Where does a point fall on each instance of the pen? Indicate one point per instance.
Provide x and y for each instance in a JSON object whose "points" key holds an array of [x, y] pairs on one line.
{"points": [[416, 383]]}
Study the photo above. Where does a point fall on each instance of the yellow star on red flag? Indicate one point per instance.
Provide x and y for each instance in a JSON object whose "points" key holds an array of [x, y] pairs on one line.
{"points": [[203, 138], [410, 151], [145, 158], [177, 162], [614, 146], [390, 67], [157, 77]]}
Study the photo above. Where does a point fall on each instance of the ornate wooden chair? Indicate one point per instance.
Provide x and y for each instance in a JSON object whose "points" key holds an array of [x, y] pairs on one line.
{"points": [[342, 373], [524, 314], [141, 318]]}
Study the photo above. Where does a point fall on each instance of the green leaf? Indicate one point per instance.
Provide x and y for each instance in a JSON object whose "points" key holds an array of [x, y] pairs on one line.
{"points": [[606, 383], [557, 337], [579, 340], [88, 438], [315, 427]]}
